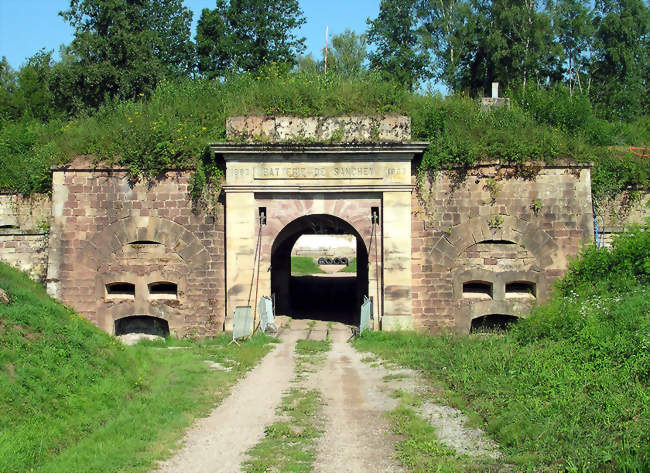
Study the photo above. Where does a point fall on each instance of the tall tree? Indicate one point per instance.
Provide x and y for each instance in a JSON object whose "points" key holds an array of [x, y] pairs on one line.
{"points": [[7, 90], [443, 24], [124, 47], [33, 95], [348, 53], [573, 22], [621, 63], [244, 35], [398, 49]]}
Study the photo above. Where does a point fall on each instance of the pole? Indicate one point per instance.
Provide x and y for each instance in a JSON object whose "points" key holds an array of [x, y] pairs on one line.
{"points": [[326, 35]]}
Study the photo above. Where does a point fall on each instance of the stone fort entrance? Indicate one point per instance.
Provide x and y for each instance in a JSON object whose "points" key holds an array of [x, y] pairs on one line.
{"points": [[278, 191], [455, 253]]}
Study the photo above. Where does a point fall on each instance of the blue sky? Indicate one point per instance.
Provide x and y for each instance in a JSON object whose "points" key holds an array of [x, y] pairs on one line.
{"points": [[29, 25]]}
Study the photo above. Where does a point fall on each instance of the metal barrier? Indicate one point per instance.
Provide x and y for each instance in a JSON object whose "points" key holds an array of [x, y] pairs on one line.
{"points": [[242, 321], [366, 314], [267, 320]]}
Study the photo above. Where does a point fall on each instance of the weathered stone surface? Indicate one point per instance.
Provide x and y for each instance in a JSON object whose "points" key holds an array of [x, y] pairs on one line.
{"points": [[153, 237], [387, 128], [24, 223]]}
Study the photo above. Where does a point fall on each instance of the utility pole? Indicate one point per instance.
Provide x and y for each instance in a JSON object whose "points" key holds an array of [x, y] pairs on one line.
{"points": [[326, 35]]}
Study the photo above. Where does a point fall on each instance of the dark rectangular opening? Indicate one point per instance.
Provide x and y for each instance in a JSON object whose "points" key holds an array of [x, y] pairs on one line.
{"points": [[120, 289], [168, 290], [374, 215], [262, 215], [521, 289], [477, 289]]}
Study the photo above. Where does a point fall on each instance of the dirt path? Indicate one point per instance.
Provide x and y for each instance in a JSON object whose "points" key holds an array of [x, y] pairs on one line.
{"points": [[357, 437], [217, 443], [356, 394]]}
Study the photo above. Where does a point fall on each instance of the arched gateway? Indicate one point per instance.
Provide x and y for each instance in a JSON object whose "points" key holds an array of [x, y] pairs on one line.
{"points": [[319, 187]]}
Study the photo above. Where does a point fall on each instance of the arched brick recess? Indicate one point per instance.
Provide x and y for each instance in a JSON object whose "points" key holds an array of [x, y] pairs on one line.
{"points": [[524, 233], [103, 245]]}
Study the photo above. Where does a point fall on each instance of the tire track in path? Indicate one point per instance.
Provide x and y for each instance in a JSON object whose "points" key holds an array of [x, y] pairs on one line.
{"points": [[218, 443], [357, 436]]}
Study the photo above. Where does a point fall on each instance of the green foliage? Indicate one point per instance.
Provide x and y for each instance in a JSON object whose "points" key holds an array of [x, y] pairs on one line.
{"points": [[76, 399], [622, 58], [351, 267], [626, 263], [245, 35], [173, 127], [567, 387], [397, 54], [304, 265], [123, 49]]}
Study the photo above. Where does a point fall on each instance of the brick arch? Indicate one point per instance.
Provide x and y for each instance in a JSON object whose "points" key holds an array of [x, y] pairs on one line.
{"points": [[344, 209], [103, 245], [527, 234]]}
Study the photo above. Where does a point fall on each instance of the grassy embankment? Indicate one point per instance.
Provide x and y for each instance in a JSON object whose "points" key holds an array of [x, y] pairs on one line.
{"points": [[565, 389], [173, 127], [304, 266], [74, 399], [350, 268]]}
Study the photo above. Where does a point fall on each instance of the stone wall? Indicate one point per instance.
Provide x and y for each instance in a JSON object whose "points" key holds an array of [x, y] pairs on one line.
{"points": [[120, 249], [492, 243], [616, 215], [24, 226]]}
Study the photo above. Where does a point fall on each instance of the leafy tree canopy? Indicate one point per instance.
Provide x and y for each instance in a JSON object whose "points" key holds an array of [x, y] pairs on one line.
{"points": [[123, 48], [244, 35], [398, 50]]}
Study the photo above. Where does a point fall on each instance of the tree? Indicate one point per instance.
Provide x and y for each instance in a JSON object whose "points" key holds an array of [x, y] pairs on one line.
{"points": [[345, 57], [7, 90], [573, 22], [125, 47], [348, 53], [443, 27], [33, 96], [398, 48], [244, 35], [620, 66]]}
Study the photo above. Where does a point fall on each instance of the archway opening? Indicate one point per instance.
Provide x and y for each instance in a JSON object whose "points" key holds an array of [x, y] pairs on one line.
{"points": [[319, 270], [142, 324], [492, 323]]}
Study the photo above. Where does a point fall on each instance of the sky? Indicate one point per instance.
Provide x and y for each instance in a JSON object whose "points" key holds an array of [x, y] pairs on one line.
{"points": [[26, 26]]}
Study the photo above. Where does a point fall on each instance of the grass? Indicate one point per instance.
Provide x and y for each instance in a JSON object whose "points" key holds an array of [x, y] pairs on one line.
{"points": [[350, 268], [289, 444], [304, 266], [567, 388], [74, 399]]}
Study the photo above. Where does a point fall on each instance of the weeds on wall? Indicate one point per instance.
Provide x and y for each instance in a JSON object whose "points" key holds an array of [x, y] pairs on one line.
{"points": [[171, 128]]}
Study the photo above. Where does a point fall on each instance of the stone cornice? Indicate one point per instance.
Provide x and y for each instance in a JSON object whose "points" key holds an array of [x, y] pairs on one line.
{"points": [[231, 149]]}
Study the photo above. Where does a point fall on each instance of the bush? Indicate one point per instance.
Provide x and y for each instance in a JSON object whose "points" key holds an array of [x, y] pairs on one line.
{"points": [[626, 264]]}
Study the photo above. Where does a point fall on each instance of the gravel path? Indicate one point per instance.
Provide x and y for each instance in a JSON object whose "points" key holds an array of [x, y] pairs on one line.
{"points": [[217, 443], [357, 436]]}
